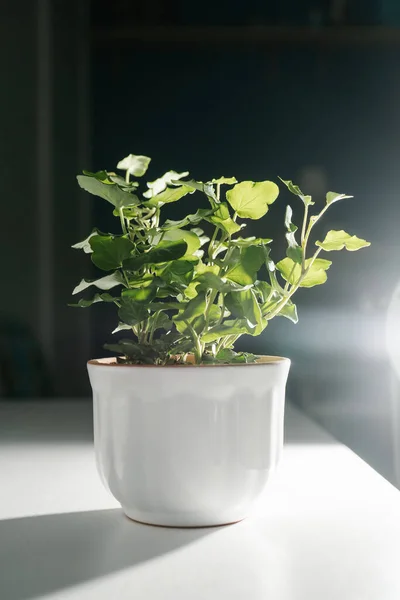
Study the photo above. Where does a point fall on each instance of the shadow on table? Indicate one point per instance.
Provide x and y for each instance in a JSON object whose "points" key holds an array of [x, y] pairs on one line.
{"points": [[42, 554]]}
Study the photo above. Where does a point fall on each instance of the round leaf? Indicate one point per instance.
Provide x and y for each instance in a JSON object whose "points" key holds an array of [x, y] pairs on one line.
{"points": [[132, 312], [192, 240], [136, 165], [246, 265], [109, 251], [251, 199]]}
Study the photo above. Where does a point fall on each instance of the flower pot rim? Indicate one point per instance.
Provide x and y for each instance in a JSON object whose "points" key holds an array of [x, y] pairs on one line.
{"points": [[263, 360]]}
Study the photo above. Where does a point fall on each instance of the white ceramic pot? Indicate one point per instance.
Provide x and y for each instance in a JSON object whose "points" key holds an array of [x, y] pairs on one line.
{"points": [[188, 446]]}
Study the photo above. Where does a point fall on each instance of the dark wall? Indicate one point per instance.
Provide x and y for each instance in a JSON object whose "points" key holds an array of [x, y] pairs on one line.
{"points": [[258, 112]]}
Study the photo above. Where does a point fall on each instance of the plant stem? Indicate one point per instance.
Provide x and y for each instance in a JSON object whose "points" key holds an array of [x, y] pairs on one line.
{"points": [[222, 302], [198, 346], [303, 228], [290, 275], [219, 346], [126, 278], [211, 245], [121, 218], [127, 176], [153, 326], [313, 221], [210, 302]]}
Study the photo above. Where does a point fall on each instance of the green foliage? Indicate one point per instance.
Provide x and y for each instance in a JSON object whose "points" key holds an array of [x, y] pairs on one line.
{"points": [[110, 251], [134, 165], [337, 240], [184, 293], [251, 200], [294, 251], [314, 273], [107, 190]]}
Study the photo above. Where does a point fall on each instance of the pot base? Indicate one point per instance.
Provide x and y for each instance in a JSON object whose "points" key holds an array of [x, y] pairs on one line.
{"points": [[168, 522]]}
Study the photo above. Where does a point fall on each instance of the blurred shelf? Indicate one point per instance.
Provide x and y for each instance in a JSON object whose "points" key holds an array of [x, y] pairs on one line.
{"points": [[256, 35]]}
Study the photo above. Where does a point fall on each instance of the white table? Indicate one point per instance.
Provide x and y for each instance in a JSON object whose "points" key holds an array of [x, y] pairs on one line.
{"points": [[328, 527]]}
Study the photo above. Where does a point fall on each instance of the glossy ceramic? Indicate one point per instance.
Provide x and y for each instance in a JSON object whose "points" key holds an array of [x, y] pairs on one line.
{"points": [[188, 446]]}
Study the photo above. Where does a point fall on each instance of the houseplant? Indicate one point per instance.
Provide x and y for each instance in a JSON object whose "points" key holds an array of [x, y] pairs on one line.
{"points": [[186, 429]]}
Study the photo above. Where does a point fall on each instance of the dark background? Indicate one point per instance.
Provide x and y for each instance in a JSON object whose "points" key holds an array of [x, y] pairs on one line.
{"points": [[308, 90]]}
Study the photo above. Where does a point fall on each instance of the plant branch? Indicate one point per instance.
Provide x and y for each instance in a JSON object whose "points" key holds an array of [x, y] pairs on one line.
{"points": [[211, 245], [198, 345], [293, 289], [121, 218], [153, 326]]}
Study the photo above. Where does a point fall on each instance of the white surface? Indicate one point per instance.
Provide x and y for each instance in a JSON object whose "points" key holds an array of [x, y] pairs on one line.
{"points": [[328, 527], [188, 446]]}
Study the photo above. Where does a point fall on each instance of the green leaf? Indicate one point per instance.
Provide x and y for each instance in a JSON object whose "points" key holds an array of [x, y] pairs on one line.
{"points": [[127, 186], [126, 347], [203, 268], [121, 327], [194, 219], [337, 240], [96, 298], [178, 271], [108, 191], [84, 245], [294, 251], [192, 240], [163, 252], [132, 312], [136, 165], [332, 197], [316, 275], [163, 322], [209, 280], [248, 263], [206, 188], [135, 352], [294, 189], [140, 295], [100, 175], [159, 185], [231, 327], [244, 305], [228, 356], [224, 180], [104, 283], [193, 308], [169, 195], [263, 289], [200, 234], [154, 306], [222, 219], [289, 311], [109, 251], [250, 241], [251, 199]]}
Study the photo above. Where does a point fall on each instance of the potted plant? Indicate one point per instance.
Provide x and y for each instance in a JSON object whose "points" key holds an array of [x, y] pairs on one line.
{"points": [[187, 431]]}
